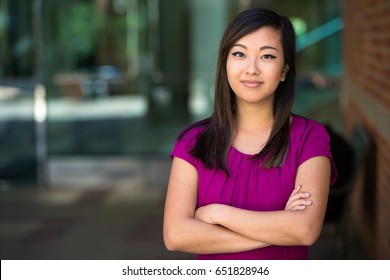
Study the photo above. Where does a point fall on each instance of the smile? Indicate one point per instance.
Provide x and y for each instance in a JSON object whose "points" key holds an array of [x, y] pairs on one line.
{"points": [[251, 84]]}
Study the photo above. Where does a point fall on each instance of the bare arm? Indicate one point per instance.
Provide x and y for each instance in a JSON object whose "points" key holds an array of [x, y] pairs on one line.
{"points": [[280, 227], [182, 232]]}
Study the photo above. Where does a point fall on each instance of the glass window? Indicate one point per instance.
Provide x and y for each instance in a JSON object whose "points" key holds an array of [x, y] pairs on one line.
{"points": [[17, 131], [122, 77]]}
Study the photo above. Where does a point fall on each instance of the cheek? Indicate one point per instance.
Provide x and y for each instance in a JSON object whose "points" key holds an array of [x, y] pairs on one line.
{"points": [[229, 72], [229, 68], [275, 72], [232, 70]]}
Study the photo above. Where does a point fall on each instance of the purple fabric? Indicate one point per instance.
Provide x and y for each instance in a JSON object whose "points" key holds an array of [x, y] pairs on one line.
{"points": [[253, 188]]}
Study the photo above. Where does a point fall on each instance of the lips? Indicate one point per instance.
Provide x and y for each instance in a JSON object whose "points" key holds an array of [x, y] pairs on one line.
{"points": [[251, 83]]}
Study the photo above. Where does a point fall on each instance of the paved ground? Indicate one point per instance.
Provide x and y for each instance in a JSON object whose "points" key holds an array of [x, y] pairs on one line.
{"points": [[89, 224], [116, 223]]}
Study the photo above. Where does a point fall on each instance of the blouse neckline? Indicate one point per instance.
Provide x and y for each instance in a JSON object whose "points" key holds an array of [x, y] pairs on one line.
{"points": [[233, 148]]}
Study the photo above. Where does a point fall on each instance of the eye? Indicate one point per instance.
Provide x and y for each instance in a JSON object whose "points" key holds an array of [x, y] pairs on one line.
{"points": [[238, 54], [268, 56]]}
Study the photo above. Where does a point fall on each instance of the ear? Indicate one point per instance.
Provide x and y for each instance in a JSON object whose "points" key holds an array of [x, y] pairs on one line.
{"points": [[284, 73]]}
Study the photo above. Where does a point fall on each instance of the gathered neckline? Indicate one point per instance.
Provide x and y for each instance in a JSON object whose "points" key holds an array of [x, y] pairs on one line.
{"points": [[293, 121], [241, 153]]}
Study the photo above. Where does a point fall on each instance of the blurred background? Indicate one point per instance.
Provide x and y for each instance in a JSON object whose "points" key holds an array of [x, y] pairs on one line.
{"points": [[94, 92]]}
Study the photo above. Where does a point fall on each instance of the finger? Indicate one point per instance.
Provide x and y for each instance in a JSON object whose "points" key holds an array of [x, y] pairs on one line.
{"points": [[298, 207], [302, 202], [300, 195], [297, 196], [299, 203], [296, 189], [294, 193]]}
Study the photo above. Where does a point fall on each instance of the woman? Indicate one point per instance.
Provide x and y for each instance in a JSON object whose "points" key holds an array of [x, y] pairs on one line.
{"points": [[251, 181]]}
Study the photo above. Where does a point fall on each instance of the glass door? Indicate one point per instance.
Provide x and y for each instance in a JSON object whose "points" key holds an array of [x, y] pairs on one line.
{"points": [[18, 159]]}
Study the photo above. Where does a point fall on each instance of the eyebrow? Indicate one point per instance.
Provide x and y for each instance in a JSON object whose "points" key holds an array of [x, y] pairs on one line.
{"points": [[261, 48]]}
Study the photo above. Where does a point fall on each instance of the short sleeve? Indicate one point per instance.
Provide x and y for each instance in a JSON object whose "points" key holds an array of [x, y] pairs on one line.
{"points": [[316, 142], [183, 145]]}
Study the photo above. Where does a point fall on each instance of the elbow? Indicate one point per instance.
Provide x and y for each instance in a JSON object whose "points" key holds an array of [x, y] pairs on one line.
{"points": [[309, 234], [176, 237], [171, 241]]}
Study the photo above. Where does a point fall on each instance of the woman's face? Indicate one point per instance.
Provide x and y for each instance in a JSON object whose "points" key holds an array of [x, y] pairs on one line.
{"points": [[255, 66]]}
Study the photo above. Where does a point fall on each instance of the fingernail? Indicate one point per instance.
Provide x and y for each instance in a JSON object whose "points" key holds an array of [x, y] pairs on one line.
{"points": [[308, 201]]}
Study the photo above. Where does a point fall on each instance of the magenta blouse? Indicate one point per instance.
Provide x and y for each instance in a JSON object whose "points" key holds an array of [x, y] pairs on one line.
{"points": [[253, 188]]}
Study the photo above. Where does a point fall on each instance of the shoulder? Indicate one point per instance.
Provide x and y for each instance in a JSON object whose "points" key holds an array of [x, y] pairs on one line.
{"points": [[310, 139], [191, 132], [186, 141], [302, 128]]}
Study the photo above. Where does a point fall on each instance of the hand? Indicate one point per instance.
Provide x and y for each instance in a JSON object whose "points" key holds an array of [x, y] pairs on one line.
{"points": [[298, 200], [208, 213]]}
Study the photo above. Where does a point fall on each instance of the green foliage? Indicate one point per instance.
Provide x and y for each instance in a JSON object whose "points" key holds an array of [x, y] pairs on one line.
{"points": [[78, 30]]}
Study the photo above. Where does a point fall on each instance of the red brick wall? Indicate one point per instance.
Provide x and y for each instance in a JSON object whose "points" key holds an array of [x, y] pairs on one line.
{"points": [[366, 100]]}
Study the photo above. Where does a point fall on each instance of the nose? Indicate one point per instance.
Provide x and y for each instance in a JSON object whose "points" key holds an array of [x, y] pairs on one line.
{"points": [[252, 67]]}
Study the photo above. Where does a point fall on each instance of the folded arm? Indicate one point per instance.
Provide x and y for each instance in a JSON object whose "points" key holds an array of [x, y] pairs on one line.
{"points": [[182, 232], [187, 232], [280, 227]]}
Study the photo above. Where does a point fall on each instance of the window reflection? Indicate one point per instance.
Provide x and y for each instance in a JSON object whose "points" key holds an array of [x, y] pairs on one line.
{"points": [[122, 77]]}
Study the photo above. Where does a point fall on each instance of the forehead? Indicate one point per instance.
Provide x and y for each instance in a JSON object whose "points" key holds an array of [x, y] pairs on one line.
{"points": [[265, 35]]}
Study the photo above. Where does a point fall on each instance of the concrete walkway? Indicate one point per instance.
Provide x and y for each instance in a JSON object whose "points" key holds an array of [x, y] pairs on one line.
{"points": [[107, 223]]}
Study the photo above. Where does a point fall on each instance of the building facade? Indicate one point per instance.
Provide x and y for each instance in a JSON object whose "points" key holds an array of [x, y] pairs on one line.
{"points": [[366, 102]]}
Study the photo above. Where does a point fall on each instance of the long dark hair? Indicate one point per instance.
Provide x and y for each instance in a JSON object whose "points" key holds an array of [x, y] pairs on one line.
{"points": [[213, 143]]}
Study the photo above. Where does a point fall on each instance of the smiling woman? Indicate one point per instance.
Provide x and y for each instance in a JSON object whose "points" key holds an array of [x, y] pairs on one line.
{"points": [[256, 62], [255, 67], [251, 181]]}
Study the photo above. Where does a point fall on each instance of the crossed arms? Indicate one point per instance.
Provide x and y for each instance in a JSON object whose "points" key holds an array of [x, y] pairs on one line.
{"points": [[218, 228]]}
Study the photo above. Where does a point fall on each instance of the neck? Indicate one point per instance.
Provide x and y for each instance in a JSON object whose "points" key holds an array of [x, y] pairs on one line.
{"points": [[254, 125], [254, 118]]}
